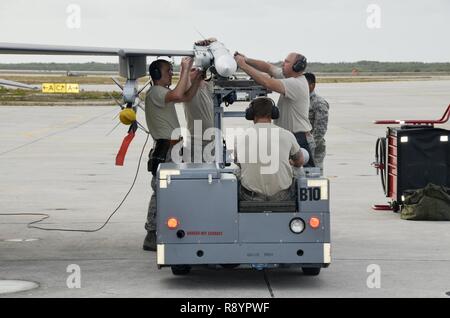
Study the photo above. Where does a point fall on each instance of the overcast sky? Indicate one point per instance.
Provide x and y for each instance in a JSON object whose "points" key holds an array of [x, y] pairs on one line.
{"points": [[323, 30]]}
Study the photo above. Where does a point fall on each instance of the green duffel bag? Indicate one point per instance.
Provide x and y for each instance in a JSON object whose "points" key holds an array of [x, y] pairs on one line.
{"points": [[431, 203]]}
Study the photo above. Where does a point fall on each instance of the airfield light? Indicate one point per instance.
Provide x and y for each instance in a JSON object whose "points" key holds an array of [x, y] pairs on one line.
{"points": [[314, 222], [172, 223]]}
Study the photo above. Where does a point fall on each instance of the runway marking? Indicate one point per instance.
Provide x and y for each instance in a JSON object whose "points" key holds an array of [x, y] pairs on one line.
{"points": [[390, 260], [33, 133], [145, 259], [20, 240], [15, 286], [55, 133]]}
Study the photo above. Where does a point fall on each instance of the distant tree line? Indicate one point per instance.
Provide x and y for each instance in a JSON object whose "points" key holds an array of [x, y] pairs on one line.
{"points": [[77, 67], [373, 66], [342, 67]]}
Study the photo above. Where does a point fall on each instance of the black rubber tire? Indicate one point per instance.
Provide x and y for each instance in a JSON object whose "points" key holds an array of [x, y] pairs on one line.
{"points": [[180, 270], [311, 271], [395, 206]]}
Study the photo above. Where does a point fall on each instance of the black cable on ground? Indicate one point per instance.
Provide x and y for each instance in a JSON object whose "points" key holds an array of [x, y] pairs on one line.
{"points": [[266, 279], [46, 216]]}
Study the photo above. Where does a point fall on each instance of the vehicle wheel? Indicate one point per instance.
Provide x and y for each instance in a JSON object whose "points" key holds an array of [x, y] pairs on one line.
{"points": [[180, 269], [311, 271], [229, 266], [395, 206]]}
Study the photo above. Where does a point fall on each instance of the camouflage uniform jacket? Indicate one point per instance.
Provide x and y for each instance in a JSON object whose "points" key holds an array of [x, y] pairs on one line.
{"points": [[318, 116]]}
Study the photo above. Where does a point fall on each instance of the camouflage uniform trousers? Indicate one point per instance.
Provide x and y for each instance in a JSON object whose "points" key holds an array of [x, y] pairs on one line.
{"points": [[320, 152], [312, 146]]}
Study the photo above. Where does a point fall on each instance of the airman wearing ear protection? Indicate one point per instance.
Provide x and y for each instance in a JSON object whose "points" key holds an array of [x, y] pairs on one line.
{"points": [[292, 86], [162, 121], [267, 176]]}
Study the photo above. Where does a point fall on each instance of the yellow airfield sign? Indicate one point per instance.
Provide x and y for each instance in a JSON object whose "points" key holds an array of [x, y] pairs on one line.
{"points": [[60, 88]]}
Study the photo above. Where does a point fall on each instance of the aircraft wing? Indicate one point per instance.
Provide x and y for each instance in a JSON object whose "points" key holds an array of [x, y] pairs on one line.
{"points": [[132, 62], [38, 49], [16, 84]]}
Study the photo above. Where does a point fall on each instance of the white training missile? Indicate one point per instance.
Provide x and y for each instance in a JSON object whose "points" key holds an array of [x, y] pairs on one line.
{"points": [[224, 62], [217, 55]]}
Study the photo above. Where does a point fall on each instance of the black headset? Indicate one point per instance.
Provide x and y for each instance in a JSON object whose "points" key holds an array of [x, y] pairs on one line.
{"points": [[300, 65], [250, 111], [154, 70]]}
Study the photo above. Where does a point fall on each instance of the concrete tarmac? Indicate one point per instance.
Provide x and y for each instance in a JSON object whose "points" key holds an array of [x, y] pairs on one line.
{"points": [[60, 161]]}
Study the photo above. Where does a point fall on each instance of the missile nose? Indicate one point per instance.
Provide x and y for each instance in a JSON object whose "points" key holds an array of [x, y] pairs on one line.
{"points": [[226, 65]]}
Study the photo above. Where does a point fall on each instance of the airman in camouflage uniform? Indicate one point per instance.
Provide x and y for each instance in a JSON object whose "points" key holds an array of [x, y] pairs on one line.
{"points": [[318, 117]]}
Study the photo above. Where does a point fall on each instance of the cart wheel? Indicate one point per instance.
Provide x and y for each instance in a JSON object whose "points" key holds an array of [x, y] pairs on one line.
{"points": [[395, 206], [180, 269], [311, 271], [229, 266]]}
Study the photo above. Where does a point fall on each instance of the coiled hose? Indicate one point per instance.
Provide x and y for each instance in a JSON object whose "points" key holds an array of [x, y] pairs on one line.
{"points": [[380, 159]]}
